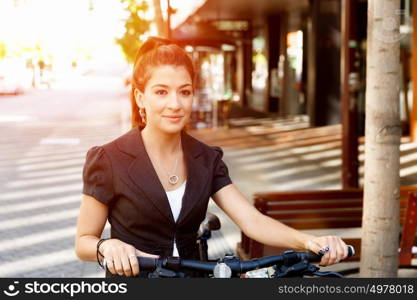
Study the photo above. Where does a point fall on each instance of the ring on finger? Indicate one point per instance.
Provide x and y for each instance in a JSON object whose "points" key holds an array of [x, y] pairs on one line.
{"points": [[324, 250]]}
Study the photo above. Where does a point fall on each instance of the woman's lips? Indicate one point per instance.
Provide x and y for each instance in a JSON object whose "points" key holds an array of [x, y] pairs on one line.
{"points": [[174, 118]]}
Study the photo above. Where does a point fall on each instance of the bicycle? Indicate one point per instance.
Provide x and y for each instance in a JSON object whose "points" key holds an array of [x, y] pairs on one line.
{"points": [[288, 264]]}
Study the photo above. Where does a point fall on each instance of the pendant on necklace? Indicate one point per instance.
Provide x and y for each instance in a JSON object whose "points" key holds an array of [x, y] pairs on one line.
{"points": [[173, 179]]}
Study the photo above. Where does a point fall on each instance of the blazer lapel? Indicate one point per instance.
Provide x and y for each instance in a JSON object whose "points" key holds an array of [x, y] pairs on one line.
{"points": [[143, 175], [197, 175]]}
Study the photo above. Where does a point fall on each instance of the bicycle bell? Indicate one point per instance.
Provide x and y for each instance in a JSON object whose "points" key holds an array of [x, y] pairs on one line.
{"points": [[221, 270]]}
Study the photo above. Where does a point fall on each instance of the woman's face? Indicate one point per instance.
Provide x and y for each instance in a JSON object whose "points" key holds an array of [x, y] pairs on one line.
{"points": [[167, 98]]}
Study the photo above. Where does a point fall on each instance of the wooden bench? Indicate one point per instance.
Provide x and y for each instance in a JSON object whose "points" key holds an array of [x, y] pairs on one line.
{"points": [[328, 209]]}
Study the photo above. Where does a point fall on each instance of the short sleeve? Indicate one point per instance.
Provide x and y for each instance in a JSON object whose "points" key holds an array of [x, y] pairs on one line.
{"points": [[97, 175], [220, 173]]}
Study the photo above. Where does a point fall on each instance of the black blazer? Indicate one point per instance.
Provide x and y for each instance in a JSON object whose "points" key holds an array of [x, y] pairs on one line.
{"points": [[120, 175]]}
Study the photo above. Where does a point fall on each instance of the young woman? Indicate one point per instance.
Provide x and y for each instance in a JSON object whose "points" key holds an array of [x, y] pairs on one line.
{"points": [[154, 182]]}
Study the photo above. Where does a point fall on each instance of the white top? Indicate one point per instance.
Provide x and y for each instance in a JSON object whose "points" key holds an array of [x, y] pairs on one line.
{"points": [[175, 201]]}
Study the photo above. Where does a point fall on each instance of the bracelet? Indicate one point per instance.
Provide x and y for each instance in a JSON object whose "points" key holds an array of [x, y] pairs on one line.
{"points": [[99, 253]]}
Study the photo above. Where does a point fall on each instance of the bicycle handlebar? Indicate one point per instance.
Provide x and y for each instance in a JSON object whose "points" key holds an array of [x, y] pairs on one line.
{"points": [[287, 258]]}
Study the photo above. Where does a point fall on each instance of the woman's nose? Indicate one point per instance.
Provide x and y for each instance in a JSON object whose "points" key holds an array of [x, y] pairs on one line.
{"points": [[174, 101]]}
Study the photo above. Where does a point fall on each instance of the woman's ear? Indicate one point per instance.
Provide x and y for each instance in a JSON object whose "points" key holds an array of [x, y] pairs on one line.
{"points": [[138, 97]]}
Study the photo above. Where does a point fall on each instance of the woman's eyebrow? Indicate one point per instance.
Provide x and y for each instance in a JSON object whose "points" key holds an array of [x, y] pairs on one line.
{"points": [[184, 85], [160, 85], [166, 86]]}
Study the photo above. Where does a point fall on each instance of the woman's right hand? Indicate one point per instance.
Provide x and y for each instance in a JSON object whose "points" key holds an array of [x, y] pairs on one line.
{"points": [[121, 258]]}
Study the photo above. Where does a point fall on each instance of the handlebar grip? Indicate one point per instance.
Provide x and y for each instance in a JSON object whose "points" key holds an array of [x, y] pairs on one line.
{"points": [[351, 250], [147, 263], [313, 257]]}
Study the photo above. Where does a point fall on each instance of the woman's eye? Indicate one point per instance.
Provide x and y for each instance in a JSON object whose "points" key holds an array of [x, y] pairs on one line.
{"points": [[161, 92], [186, 93]]}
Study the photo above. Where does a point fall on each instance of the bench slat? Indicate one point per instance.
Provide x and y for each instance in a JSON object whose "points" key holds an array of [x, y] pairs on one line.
{"points": [[317, 204]]}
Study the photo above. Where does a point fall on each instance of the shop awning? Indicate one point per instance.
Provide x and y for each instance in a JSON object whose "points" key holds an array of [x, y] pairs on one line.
{"points": [[200, 34]]}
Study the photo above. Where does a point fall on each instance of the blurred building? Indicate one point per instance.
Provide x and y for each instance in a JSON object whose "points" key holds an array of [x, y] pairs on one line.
{"points": [[286, 57]]}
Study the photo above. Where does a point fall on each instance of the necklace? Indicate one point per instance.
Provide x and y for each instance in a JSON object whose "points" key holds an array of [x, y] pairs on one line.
{"points": [[173, 178]]}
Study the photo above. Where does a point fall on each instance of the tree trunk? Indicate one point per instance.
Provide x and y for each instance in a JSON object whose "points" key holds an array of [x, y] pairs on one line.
{"points": [[380, 226], [413, 117], [160, 24]]}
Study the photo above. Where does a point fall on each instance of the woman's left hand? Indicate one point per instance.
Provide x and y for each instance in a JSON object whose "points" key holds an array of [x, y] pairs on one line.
{"points": [[333, 247]]}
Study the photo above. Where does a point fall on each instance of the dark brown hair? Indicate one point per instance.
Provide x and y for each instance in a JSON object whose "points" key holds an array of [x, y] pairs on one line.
{"points": [[155, 52]]}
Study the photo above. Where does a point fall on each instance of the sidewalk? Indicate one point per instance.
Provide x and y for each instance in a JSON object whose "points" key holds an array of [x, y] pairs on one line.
{"points": [[265, 158]]}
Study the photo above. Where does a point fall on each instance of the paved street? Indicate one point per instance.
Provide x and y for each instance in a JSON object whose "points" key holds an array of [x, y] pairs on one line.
{"points": [[45, 135]]}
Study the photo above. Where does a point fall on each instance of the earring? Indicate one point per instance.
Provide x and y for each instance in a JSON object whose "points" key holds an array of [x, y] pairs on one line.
{"points": [[142, 114]]}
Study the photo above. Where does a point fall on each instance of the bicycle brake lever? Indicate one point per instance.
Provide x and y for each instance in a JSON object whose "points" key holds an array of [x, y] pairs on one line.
{"points": [[162, 273], [328, 274], [298, 270]]}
